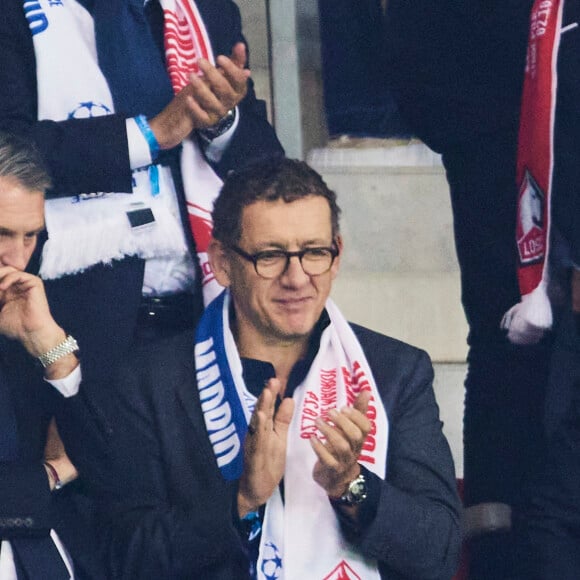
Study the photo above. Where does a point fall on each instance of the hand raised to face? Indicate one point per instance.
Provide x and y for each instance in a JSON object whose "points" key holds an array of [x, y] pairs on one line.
{"points": [[24, 312], [25, 316]]}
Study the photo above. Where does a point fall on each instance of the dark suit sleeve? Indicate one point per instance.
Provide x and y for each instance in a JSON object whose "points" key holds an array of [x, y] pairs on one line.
{"points": [[415, 531], [164, 510], [25, 496], [25, 500], [254, 137]]}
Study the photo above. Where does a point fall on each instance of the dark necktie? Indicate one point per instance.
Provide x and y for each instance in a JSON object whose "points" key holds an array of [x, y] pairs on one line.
{"points": [[129, 55], [34, 558], [38, 559]]}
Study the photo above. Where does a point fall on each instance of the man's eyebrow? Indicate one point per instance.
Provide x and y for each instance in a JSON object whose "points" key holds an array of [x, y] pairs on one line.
{"points": [[314, 242], [36, 231]]}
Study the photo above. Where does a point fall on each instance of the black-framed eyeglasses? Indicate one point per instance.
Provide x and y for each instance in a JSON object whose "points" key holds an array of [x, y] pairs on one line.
{"points": [[273, 263]]}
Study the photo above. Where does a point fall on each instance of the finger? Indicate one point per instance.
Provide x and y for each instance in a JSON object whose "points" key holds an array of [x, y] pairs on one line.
{"points": [[349, 415], [15, 286], [6, 270], [266, 402], [229, 80], [204, 99], [201, 116], [353, 426], [326, 458], [11, 277], [283, 416], [239, 55], [361, 403], [274, 386], [263, 415], [237, 77], [337, 443]]}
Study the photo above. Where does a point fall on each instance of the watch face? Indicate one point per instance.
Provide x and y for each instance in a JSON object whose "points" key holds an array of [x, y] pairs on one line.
{"points": [[357, 490]]}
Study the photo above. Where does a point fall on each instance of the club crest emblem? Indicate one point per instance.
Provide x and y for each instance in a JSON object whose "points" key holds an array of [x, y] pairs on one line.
{"points": [[343, 572], [530, 227]]}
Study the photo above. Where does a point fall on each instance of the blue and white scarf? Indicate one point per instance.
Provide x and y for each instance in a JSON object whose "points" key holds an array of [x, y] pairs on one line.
{"points": [[301, 536]]}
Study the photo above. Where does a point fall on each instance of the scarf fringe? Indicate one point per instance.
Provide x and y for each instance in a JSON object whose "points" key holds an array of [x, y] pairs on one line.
{"points": [[81, 245], [530, 319]]}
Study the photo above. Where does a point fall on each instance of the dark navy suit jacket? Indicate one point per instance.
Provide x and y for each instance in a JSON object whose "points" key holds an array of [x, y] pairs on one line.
{"points": [[28, 509], [168, 513]]}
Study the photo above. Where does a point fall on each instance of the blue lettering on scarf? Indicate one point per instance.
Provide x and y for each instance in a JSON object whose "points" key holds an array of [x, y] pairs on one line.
{"points": [[224, 412], [216, 409], [37, 20]]}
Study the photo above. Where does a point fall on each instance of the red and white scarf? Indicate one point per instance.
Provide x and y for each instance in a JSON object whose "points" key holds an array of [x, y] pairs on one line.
{"points": [[527, 321], [186, 40]]}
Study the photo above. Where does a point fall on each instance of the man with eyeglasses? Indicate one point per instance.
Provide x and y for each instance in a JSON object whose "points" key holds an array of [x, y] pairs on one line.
{"points": [[280, 441]]}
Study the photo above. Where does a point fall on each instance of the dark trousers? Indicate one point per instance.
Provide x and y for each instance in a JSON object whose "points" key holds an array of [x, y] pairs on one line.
{"points": [[553, 518], [505, 383], [357, 99]]}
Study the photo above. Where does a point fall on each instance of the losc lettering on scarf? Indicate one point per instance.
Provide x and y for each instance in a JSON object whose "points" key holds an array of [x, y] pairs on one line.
{"points": [[215, 406]]}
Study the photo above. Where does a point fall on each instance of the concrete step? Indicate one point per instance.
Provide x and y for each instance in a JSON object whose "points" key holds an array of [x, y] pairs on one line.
{"points": [[449, 393], [399, 273]]}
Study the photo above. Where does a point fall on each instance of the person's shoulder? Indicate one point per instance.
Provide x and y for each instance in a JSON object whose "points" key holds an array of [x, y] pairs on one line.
{"points": [[399, 369], [374, 342]]}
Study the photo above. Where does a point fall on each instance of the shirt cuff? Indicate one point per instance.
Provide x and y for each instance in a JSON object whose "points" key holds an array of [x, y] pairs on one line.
{"points": [[215, 149], [69, 385], [139, 152]]}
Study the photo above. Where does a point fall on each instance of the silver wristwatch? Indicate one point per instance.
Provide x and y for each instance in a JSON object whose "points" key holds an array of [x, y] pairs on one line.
{"points": [[355, 493], [67, 346]]}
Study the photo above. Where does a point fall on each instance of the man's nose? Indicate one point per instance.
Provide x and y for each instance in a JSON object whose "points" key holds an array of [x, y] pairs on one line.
{"points": [[15, 253], [294, 274]]}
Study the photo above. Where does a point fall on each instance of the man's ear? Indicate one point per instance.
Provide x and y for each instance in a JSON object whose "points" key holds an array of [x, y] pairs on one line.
{"points": [[336, 264], [219, 262]]}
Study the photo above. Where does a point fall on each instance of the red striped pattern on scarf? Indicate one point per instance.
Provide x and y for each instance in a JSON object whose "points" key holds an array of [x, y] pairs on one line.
{"points": [[184, 41]]}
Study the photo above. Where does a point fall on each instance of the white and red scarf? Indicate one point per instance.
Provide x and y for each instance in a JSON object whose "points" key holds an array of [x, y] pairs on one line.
{"points": [[301, 536], [527, 321], [186, 40]]}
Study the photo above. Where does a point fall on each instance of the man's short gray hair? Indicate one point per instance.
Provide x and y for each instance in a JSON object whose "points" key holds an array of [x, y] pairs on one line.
{"points": [[20, 160]]}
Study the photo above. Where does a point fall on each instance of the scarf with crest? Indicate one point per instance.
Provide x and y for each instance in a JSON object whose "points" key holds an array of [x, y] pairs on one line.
{"points": [[527, 321]]}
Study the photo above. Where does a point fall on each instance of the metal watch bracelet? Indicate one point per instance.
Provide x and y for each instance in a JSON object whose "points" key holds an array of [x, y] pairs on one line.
{"points": [[211, 133], [67, 346]]}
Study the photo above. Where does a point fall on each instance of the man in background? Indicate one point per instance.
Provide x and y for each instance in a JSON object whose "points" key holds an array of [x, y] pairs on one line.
{"points": [[457, 71], [42, 536]]}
